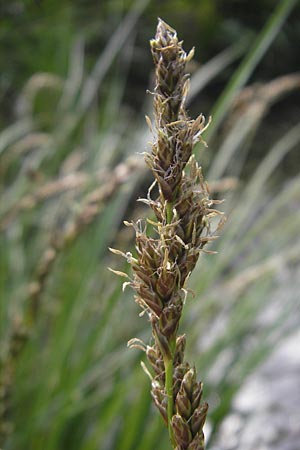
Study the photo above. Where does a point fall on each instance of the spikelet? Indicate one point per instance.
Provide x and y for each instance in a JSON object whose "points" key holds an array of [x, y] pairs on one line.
{"points": [[165, 259]]}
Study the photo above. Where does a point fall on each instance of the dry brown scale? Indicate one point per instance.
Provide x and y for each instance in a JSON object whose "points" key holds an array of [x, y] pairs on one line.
{"points": [[181, 230]]}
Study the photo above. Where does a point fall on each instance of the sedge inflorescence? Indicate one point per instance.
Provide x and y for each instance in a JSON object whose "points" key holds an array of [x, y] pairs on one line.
{"points": [[167, 254]]}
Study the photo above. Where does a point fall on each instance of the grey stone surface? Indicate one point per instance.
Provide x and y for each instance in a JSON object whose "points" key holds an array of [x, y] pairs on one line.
{"points": [[266, 411]]}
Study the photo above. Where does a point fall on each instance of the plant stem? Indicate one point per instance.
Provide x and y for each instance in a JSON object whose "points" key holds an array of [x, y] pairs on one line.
{"points": [[168, 361], [169, 392], [169, 212]]}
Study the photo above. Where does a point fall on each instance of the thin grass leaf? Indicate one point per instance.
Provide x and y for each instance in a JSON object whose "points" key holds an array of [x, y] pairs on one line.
{"points": [[207, 72], [114, 45], [251, 60]]}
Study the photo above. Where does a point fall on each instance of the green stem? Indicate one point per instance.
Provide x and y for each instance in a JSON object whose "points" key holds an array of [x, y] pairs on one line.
{"points": [[168, 361], [169, 392], [169, 212]]}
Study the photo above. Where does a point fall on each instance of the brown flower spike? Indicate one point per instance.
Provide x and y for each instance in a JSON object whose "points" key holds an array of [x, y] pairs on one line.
{"points": [[180, 231]]}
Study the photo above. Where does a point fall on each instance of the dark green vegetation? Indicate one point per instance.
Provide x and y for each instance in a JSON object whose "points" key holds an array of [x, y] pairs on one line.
{"points": [[69, 70]]}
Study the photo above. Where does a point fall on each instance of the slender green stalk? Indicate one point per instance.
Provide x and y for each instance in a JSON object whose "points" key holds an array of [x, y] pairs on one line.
{"points": [[169, 362], [169, 391], [169, 212]]}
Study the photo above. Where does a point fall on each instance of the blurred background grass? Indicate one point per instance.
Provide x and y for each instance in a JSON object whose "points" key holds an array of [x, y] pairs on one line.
{"points": [[72, 88]]}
